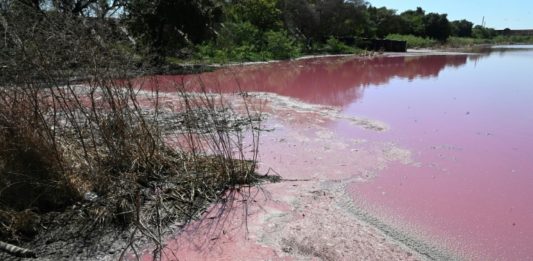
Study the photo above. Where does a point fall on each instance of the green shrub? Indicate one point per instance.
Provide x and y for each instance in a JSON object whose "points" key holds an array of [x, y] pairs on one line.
{"points": [[208, 52], [243, 42], [413, 41], [500, 39], [483, 32], [238, 34], [280, 45], [457, 42], [246, 53], [334, 46], [513, 39]]}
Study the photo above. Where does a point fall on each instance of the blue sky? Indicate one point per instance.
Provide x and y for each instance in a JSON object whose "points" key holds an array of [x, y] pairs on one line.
{"points": [[515, 14]]}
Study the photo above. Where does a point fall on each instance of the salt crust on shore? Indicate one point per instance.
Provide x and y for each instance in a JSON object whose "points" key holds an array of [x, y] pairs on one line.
{"points": [[309, 215]]}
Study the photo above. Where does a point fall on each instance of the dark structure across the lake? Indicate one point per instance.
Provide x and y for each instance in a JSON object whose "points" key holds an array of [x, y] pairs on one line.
{"points": [[508, 32]]}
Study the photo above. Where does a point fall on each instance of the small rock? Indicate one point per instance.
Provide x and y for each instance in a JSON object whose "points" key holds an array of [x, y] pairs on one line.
{"points": [[286, 249]]}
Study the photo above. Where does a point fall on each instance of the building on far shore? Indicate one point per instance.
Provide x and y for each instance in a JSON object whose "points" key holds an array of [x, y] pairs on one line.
{"points": [[508, 31]]}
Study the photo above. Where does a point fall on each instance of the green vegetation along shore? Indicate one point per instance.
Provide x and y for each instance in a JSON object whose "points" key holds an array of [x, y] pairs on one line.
{"points": [[250, 30]]}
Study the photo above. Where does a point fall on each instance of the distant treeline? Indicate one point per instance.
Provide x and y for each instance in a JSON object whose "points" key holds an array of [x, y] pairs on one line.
{"points": [[256, 29]]}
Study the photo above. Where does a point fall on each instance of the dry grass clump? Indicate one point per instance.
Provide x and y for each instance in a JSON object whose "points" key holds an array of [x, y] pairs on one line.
{"points": [[103, 140]]}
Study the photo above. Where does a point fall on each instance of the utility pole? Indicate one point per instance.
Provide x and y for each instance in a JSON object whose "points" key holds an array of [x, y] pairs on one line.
{"points": [[483, 22]]}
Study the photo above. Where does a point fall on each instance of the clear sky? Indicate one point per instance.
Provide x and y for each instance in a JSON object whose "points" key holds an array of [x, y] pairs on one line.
{"points": [[499, 14]]}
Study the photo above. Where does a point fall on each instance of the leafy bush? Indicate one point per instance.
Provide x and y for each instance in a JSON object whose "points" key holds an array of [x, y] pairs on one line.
{"points": [[513, 39], [334, 46], [501, 39], [462, 28], [236, 42], [244, 42], [208, 52], [246, 53], [280, 45], [437, 26], [483, 32], [457, 42], [238, 34], [413, 41]]}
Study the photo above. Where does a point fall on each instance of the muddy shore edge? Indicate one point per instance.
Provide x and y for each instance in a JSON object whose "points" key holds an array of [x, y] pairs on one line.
{"points": [[309, 214]]}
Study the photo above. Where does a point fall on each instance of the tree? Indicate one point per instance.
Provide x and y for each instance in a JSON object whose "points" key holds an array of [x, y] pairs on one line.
{"points": [[340, 18], [232, 35], [414, 22], [384, 21], [165, 25], [300, 18], [437, 26], [507, 31], [106, 8], [462, 28], [33, 5], [90, 8], [263, 14], [76, 7], [322, 19], [280, 45], [4, 6], [483, 32]]}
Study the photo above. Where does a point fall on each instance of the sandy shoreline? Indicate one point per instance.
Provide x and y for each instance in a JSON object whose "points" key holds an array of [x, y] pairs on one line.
{"points": [[309, 215], [298, 221], [410, 52]]}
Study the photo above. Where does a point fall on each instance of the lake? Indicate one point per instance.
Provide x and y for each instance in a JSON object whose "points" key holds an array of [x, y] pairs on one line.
{"points": [[465, 121]]}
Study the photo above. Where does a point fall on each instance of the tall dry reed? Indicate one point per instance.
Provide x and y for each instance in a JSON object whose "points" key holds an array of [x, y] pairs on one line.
{"points": [[78, 125]]}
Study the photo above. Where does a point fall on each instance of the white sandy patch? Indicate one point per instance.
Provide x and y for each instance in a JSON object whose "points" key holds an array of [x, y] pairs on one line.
{"points": [[318, 228], [278, 102]]}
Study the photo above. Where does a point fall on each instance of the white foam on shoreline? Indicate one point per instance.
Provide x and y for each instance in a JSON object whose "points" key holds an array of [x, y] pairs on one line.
{"points": [[335, 113]]}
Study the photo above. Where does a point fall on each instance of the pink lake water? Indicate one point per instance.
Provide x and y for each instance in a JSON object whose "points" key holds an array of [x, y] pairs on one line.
{"points": [[470, 129], [467, 119]]}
